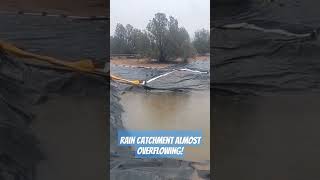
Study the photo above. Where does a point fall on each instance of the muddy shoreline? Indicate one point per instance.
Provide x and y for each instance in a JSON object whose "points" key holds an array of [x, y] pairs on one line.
{"points": [[148, 63]]}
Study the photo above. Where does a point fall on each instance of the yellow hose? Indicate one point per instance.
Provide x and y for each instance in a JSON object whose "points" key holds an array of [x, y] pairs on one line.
{"points": [[132, 82], [85, 65]]}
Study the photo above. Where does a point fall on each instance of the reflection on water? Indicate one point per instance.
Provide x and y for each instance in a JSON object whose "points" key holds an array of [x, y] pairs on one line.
{"points": [[170, 111]]}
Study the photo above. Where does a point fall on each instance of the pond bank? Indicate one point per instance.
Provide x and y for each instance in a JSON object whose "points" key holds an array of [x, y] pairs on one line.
{"points": [[123, 164], [147, 63]]}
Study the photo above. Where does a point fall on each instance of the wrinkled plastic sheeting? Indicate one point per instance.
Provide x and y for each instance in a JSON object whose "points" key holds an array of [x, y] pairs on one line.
{"points": [[262, 62], [185, 80], [116, 111], [181, 80], [286, 11], [175, 81], [19, 152], [145, 169], [61, 38], [21, 87]]}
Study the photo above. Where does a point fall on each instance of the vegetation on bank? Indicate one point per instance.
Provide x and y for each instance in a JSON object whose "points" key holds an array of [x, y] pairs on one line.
{"points": [[162, 39]]}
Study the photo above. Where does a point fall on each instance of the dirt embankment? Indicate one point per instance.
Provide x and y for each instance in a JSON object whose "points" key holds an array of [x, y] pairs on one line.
{"points": [[148, 63], [80, 8]]}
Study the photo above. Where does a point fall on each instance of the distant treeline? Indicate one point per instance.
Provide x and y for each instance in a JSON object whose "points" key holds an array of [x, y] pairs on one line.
{"points": [[162, 39]]}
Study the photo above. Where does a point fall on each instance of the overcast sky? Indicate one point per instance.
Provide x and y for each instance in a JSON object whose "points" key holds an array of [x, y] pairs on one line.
{"points": [[191, 14]]}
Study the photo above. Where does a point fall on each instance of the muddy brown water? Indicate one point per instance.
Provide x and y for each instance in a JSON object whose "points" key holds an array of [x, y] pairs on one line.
{"points": [[274, 137], [72, 132], [170, 111]]}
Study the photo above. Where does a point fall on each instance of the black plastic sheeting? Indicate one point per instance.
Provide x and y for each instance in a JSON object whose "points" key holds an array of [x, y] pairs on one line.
{"points": [[57, 37], [24, 86], [265, 60], [175, 81], [266, 47]]}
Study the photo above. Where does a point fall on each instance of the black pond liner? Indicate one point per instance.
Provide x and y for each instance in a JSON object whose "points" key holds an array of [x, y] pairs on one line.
{"points": [[23, 86], [263, 59], [270, 48], [56, 37], [181, 78], [123, 164]]}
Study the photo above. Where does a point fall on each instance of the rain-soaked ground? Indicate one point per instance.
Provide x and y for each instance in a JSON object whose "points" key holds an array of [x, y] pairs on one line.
{"points": [[178, 100]]}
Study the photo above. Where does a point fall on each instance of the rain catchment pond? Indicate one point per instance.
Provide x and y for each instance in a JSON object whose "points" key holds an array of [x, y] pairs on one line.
{"points": [[176, 98]]}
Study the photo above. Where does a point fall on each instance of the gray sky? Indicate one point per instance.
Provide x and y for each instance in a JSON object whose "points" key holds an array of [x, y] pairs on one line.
{"points": [[191, 14]]}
